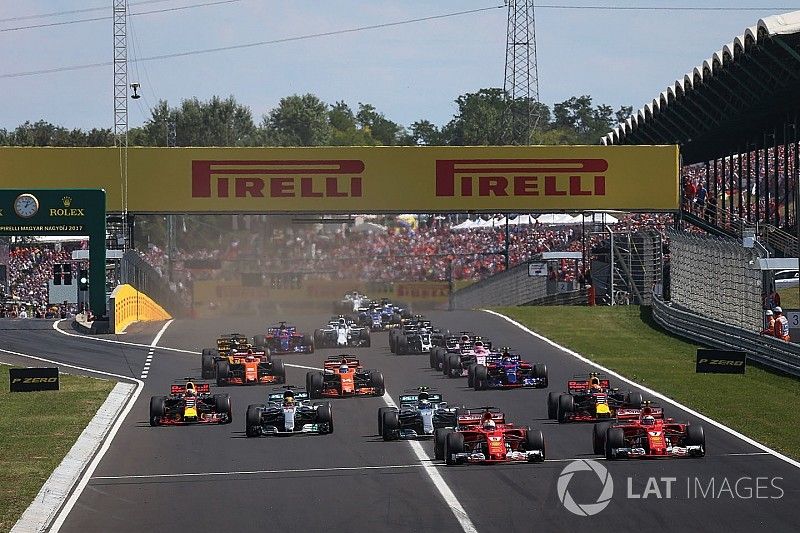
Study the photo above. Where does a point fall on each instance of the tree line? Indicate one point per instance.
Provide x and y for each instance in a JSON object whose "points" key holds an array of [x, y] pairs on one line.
{"points": [[306, 120]]}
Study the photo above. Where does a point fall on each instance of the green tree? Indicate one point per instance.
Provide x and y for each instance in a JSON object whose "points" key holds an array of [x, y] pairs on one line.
{"points": [[345, 131], [384, 131], [297, 121], [479, 119], [216, 122]]}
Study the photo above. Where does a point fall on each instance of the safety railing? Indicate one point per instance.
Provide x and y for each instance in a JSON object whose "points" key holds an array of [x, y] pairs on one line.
{"points": [[765, 350], [780, 241]]}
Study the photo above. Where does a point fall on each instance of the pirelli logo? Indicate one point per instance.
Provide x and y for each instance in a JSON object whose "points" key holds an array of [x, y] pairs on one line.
{"points": [[336, 178], [521, 177]]}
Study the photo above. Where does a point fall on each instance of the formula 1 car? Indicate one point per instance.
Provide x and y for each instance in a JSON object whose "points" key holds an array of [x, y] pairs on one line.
{"points": [[350, 302], [378, 317], [249, 368], [284, 339], [454, 344], [590, 399], [645, 433], [342, 332], [190, 403], [288, 413], [342, 376], [414, 336], [418, 416], [483, 436], [225, 345], [506, 371], [466, 354]]}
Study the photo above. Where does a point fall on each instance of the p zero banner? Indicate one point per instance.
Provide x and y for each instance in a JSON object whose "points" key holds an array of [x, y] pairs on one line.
{"points": [[720, 361], [33, 379], [360, 179]]}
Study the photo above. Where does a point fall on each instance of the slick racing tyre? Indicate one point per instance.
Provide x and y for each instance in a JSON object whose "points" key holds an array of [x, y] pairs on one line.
{"points": [[376, 381], [439, 438], [325, 415], [223, 373], [615, 438], [382, 410], [253, 420], [481, 375], [540, 372], [157, 409], [534, 440], [260, 341], [453, 366], [207, 360], [391, 425], [695, 436], [471, 375], [634, 400], [453, 443], [566, 406], [552, 405], [279, 370], [314, 384], [599, 437], [223, 403]]}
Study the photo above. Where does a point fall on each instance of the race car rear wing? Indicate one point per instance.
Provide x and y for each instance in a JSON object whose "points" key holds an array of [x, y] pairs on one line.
{"points": [[634, 414], [200, 388], [574, 384], [414, 398], [278, 396], [473, 417]]}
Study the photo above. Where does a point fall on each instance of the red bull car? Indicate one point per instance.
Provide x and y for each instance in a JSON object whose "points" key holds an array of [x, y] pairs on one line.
{"points": [[284, 339], [483, 436], [190, 403], [645, 433], [342, 376], [588, 399]]}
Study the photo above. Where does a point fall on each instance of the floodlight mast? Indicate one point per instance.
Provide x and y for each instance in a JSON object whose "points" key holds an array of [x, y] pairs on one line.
{"points": [[521, 85], [120, 18]]}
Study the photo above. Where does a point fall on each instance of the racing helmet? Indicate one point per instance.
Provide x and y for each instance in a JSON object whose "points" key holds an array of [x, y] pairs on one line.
{"points": [[423, 398], [489, 424], [344, 368], [648, 420], [594, 382], [250, 357], [190, 390], [464, 338], [288, 397], [478, 344], [342, 322]]}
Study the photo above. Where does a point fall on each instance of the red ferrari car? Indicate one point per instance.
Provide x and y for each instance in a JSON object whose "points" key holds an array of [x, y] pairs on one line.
{"points": [[483, 436], [645, 433]]}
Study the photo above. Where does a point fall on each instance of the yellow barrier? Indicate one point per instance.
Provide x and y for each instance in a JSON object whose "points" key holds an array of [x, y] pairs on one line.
{"points": [[132, 306]]}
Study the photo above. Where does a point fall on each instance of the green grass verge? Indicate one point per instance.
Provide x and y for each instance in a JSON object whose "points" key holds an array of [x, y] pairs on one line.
{"points": [[759, 404], [37, 429], [790, 298]]}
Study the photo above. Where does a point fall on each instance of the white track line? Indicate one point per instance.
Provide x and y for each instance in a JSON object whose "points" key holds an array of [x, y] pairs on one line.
{"points": [[62, 515], [339, 469], [114, 341], [438, 481], [701, 416], [256, 472]]}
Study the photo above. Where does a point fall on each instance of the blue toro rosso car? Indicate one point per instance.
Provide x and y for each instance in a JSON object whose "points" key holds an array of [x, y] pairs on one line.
{"points": [[508, 371], [284, 339]]}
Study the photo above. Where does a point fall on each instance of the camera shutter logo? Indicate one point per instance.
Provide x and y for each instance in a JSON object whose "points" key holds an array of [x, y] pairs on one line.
{"points": [[585, 509]]}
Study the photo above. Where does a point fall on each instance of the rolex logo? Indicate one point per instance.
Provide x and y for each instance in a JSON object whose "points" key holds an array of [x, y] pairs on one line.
{"points": [[67, 201], [67, 211]]}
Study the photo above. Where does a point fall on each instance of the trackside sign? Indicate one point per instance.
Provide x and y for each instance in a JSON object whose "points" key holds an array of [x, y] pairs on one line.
{"points": [[361, 179], [33, 379]]}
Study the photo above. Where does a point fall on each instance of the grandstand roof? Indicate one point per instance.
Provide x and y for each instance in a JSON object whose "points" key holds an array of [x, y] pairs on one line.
{"points": [[748, 87]]}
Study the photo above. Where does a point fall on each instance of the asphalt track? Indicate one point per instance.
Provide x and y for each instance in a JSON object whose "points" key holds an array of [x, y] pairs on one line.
{"points": [[212, 478]]}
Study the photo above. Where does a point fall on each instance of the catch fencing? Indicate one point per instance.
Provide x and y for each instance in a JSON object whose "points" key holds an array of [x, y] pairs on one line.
{"points": [[509, 288], [136, 272], [716, 278]]}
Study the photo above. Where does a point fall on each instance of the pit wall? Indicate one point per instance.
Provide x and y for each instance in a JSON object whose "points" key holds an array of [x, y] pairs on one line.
{"points": [[130, 306]]}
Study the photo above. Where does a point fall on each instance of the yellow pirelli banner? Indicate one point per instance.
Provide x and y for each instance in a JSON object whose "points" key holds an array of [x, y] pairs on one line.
{"points": [[359, 179]]}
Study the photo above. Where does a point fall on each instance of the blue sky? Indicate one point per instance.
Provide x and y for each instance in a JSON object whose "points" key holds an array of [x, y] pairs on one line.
{"points": [[407, 72]]}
